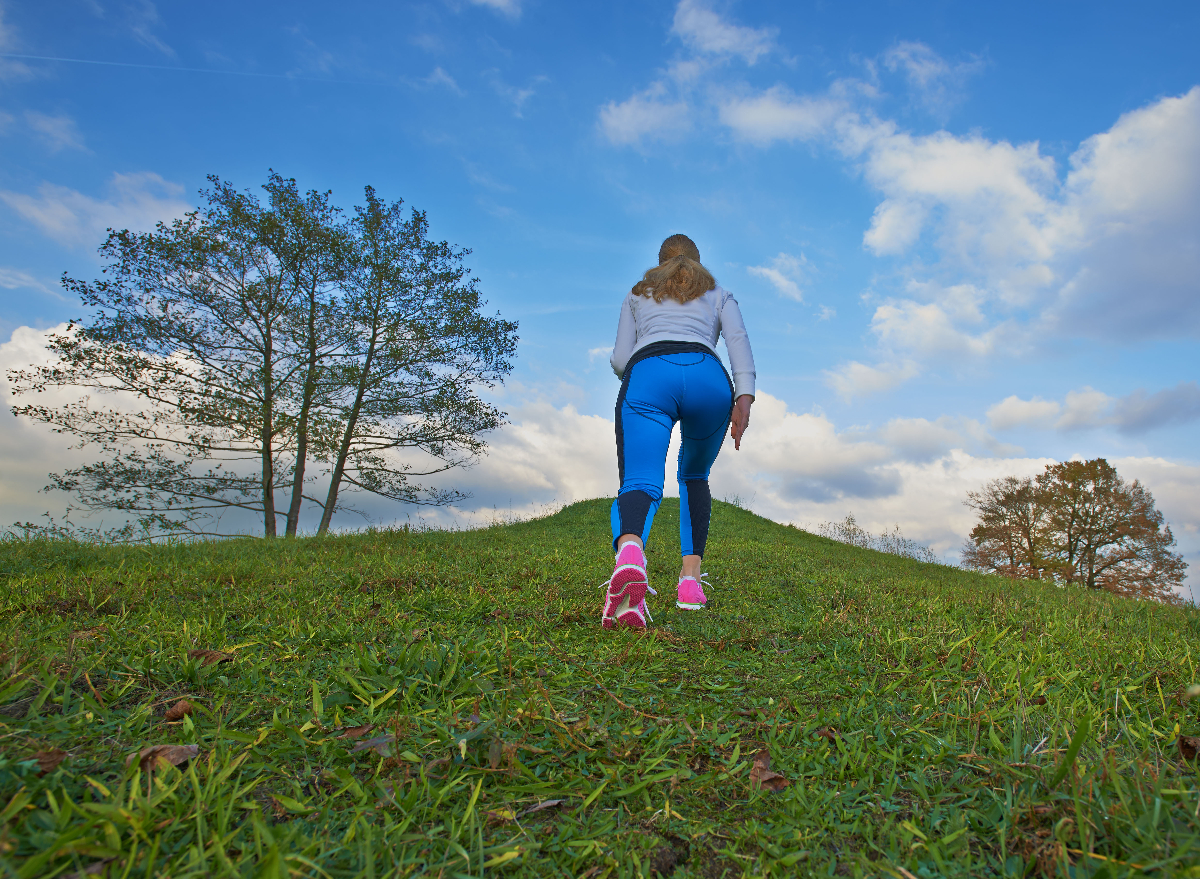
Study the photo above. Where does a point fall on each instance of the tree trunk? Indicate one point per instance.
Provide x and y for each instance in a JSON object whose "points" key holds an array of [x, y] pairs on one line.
{"points": [[268, 430], [339, 467], [310, 384]]}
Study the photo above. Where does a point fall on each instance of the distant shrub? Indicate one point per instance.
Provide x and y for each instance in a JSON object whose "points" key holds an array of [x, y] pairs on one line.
{"points": [[894, 542]]}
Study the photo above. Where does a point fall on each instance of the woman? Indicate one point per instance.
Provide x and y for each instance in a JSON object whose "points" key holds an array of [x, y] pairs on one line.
{"points": [[665, 356]]}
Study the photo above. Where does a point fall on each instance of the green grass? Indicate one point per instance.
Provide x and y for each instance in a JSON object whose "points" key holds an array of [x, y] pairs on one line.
{"points": [[931, 722]]}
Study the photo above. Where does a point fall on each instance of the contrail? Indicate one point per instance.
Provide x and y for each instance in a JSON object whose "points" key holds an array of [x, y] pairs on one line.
{"points": [[184, 69]]}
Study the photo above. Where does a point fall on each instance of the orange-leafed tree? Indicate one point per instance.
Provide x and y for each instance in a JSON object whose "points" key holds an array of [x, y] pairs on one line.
{"points": [[1010, 536], [1080, 524]]}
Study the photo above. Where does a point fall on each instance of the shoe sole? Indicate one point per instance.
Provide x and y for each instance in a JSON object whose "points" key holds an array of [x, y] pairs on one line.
{"points": [[625, 594], [682, 605]]}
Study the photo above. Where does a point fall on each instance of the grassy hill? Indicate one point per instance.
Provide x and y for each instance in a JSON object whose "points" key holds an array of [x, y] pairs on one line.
{"points": [[446, 704]]}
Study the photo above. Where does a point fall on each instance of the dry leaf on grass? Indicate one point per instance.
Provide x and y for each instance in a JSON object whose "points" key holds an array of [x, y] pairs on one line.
{"points": [[545, 804], [156, 755], [355, 732], [48, 761], [381, 745], [428, 767], [828, 733], [178, 711], [761, 775], [93, 869], [1040, 700], [210, 657], [499, 816], [1189, 747]]}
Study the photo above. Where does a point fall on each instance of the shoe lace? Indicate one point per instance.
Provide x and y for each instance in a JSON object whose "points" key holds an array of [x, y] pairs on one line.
{"points": [[646, 607]]}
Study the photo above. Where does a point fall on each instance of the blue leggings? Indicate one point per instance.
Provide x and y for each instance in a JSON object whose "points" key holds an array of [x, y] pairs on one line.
{"points": [[693, 389]]}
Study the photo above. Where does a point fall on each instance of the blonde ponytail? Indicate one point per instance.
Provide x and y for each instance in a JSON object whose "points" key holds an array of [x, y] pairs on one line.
{"points": [[678, 275]]}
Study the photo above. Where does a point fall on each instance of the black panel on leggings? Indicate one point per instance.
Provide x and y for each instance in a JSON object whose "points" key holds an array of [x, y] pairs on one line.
{"points": [[633, 508], [700, 511]]}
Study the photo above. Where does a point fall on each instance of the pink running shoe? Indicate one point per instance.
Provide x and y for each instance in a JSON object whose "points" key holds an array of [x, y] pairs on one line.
{"points": [[691, 593], [625, 598]]}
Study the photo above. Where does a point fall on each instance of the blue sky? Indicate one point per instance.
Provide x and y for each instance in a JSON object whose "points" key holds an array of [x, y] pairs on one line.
{"points": [[963, 235]]}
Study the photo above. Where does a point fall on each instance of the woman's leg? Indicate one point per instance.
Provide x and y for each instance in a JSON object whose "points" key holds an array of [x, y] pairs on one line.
{"points": [[704, 417], [646, 412], [643, 433]]}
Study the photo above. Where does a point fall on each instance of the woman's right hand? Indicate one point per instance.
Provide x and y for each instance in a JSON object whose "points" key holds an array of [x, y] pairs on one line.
{"points": [[739, 419]]}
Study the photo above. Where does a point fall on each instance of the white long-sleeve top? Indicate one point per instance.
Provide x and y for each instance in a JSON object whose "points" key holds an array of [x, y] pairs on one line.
{"points": [[703, 319]]}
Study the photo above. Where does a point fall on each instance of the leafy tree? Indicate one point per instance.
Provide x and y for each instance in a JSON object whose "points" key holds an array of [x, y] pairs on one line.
{"points": [[189, 334], [414, 348], [1105, 533], [1078, 523], [239, 342], [1009, 536]]}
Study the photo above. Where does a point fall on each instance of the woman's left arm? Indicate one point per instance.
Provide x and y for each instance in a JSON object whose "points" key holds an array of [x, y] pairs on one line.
{"points": [[741, 358], [626, 339]]}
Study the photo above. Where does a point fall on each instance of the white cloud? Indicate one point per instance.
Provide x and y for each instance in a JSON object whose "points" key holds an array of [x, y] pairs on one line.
{"points": [[1014, 412], [604, 352], [895, 226], [15, 279], [1141, 411], [650, 115], [29, 451], [1084, 408], [931, 329], [136, 201], [440, 78], [989, 200], [935, 84], [511, 8], [56, 132], [1107, 252], [518, 97], [1129, 225], [826, 313], [777, 114], [11, 70], [703, 30], [1088, 408], [142, 18], [664, 111], [918, 440], [856, 379], [785, 272]]}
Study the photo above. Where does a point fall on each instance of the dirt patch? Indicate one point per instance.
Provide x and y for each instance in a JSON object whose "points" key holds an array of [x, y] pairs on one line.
{"points": [[706, 862], [74, 604], [674, 852]]}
